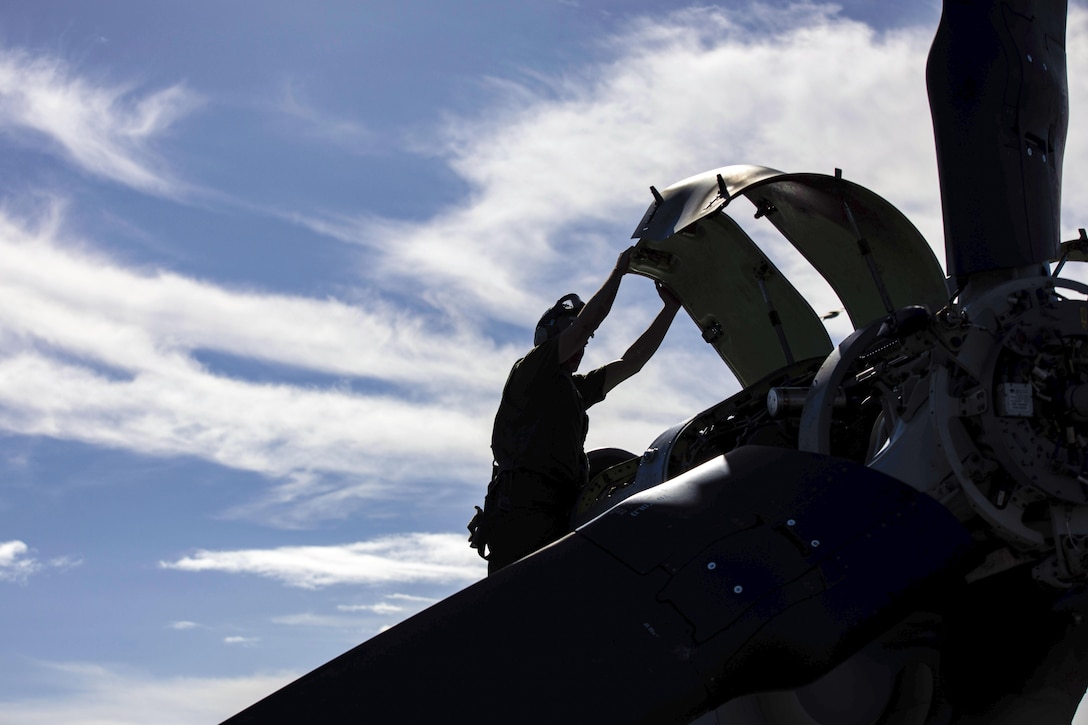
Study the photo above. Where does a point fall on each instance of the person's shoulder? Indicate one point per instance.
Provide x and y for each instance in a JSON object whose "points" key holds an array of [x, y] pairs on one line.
{"points": [[542, 360], [545, 352]]}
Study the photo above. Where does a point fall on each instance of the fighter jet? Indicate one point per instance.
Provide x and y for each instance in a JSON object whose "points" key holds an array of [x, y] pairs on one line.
{"points": [[893, 529]]}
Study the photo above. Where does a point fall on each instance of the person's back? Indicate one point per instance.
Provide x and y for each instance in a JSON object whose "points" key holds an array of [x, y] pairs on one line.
{"points": [[538, 440], [538, 444]]}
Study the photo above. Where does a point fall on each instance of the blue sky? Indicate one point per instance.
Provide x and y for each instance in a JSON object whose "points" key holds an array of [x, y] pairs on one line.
{"points": [[264, 267]]}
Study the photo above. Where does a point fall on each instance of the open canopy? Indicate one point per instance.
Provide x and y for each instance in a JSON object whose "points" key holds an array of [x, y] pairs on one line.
{"points": [[872, 256]]}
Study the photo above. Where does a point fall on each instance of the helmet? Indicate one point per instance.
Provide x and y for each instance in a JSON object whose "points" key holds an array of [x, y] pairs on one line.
{"points": [[558, 318]]}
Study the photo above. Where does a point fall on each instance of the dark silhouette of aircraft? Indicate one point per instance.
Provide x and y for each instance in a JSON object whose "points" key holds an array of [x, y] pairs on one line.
{"points": [[892, 530]]}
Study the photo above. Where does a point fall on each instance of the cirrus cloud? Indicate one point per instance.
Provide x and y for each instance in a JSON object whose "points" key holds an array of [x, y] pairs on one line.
{"points": [[17, 563], [107, 131], [409, 558]]}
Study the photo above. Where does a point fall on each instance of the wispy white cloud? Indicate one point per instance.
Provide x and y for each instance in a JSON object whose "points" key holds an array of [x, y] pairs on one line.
{"points": [[379, 608], [114, 357], [241, 641], [183, 625], [353, 620], [309, 619], [106, 130], [321, 125], [560, 168], [17, 562], [410, 558], [411, 598], [399, 605], [137, 320], [93, 694], [271, 429]]}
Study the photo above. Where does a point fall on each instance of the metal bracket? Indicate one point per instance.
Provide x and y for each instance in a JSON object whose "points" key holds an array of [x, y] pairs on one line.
{"points": [[712, 332], [975, 403]]}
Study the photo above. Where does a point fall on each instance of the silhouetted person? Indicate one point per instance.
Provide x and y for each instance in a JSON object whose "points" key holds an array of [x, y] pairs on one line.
{"points": [[540, 428]]}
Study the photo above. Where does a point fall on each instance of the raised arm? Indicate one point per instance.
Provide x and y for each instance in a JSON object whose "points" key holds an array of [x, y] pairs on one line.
{"points": [[646, 345], [575, 337]]}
